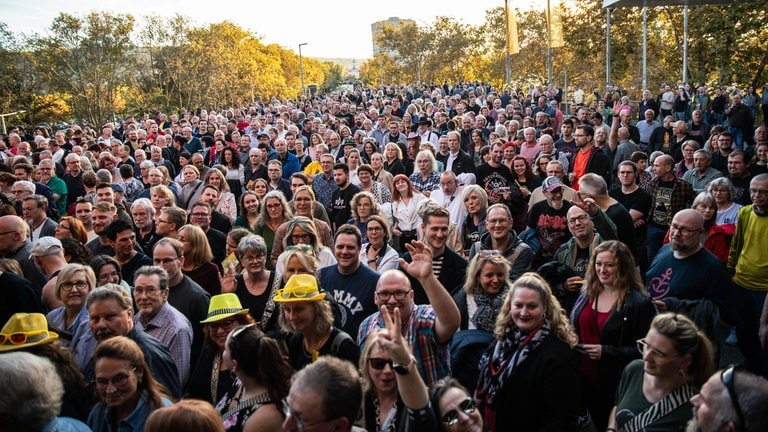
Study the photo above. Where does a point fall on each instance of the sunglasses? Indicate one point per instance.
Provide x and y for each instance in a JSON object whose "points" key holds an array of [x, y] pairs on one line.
{"points": [[379, 363], [297, 293], [22, 337], [727, 377], [449, 419]]}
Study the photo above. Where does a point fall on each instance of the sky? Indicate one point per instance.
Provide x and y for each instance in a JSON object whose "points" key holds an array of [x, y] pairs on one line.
{"points": [[331, 28]]}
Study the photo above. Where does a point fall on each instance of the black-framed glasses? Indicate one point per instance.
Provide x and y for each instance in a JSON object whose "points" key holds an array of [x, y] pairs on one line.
{"points": [[118, 380], [226, 325], [67, 286], [728, 377], [399, 295], [451, 418]]}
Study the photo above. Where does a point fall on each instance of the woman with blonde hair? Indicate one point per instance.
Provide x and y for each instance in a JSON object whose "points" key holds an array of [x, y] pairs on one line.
{"points": [[161, 196], [476, 205], [260, 187], [198, 259], [125, 385], [306, 314], [528, 378], [301, 232], [393, 159], [364, 205], [379, 173], [274, 212]]}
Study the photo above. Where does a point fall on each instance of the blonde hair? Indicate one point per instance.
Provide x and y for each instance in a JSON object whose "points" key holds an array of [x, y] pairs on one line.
{"points": [[559, 323]]}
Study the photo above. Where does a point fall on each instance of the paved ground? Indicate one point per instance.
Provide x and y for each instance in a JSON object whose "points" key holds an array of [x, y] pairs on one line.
{"points": [[729, 354]]}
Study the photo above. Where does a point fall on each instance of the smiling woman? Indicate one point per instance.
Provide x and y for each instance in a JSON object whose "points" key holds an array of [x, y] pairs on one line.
{"points": [[125, 386], [528, 379]]}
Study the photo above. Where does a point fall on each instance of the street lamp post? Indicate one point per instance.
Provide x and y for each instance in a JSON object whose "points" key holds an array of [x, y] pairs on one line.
{"points": [[301, 68]]}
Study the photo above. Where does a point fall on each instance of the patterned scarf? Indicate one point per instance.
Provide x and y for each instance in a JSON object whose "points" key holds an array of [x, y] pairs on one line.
{"points": [[488, 308], [497, 366]]}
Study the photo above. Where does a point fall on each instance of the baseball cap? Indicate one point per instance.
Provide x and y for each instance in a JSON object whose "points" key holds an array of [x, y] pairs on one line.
{"points": [[45, 246], [551, 183]]}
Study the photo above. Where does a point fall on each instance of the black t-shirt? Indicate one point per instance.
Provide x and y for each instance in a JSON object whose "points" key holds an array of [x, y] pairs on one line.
{"points": [[340, 204], [638, 200], [582, 261]]}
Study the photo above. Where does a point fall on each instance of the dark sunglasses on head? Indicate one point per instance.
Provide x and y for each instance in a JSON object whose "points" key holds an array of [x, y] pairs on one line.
{"points": [[728, 377], [449, 419]]}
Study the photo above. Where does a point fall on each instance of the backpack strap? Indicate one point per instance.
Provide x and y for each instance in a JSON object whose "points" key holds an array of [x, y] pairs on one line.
{"points": [[340, 337]]}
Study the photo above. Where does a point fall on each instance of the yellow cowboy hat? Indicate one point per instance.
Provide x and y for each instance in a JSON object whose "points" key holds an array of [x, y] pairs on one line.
{"points": [[300, 287], [25, 330]]}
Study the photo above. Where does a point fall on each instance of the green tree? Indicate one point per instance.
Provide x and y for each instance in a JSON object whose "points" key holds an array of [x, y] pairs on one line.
{"points": [[88, 57]]}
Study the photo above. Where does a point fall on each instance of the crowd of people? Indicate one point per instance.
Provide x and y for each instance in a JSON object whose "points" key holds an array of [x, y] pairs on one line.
{"points": [[400, 258]]}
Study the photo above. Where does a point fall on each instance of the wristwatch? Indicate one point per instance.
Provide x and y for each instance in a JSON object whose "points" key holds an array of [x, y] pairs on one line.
{"points": [[404, 369]]}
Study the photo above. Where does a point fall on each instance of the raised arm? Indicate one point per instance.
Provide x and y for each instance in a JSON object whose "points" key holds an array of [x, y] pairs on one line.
{"points": [[447, 314]]}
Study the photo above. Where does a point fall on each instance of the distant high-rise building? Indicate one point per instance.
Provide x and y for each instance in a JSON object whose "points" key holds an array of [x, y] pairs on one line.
{"points": [[379, 25]]}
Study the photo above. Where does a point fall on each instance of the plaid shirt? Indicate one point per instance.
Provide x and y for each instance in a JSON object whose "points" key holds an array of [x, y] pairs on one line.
{"points": [[682, 196], [431, 183], [173, 329], [432, 359]]}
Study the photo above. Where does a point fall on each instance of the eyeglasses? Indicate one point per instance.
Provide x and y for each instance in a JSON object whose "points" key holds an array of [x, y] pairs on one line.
{"points": [[225, 325], [64, 227], [683, 230], [379, 363], [643, 346], [23, 337], [200, 215], [449, 419], [118, 380], [251, 258], [164, 260], [138, 292], [386, 295], [297, 293], [67, 286], [374, 229], [580, 219], [300, 424], [728, 378], [495, 221], [274, 206]]}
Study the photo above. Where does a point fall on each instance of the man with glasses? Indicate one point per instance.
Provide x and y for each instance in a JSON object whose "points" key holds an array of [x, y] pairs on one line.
{"points": [[110, 312], [200, 215], [34, 209], [323, 184], [183, 293], [428, 327], [218, 221], [638, 203], [159, 319], [731, 400], [170, 220], [669, 194], [684, 274], [546, 221], [502, 238], [328, 392]]}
